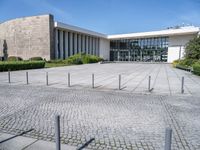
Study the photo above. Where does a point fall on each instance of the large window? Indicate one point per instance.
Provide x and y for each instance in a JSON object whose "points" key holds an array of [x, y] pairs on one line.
{"points": [[143, 49]]}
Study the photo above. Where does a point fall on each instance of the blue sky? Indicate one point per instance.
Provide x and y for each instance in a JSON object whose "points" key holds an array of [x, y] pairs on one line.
{"points": [[109, 16]]}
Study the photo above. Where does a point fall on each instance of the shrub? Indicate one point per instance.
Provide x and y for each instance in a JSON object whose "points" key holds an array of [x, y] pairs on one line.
{"points": [[14, 58], [21, 65], [175, 62], [184, 62], [36, 58], [187, 62], [192, 50], [196, 68]]}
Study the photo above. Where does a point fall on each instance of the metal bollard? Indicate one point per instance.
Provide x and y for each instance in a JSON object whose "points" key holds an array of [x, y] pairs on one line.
{"points": [[9, 76], [27, 78], [92, 80], [47, 79], [57, 132], [68, 79], [149, 84], [182, 85], [120, 82], [168, 138]]}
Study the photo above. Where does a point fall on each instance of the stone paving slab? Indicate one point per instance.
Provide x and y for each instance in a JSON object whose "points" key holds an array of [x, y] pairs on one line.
{"points": [[165, 79], [25, 143]]}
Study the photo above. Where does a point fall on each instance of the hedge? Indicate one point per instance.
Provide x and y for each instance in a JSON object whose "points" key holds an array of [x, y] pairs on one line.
{"points": [[82, 58], [21, 65], [196, 68]]}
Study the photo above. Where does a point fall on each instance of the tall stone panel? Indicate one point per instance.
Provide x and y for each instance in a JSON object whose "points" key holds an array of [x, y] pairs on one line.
{"points": [[66, 44], [61, 44], [29, 37]]}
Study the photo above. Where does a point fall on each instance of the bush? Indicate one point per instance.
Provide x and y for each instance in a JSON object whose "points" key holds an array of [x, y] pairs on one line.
{"points": [[175, 63], [36, 58], [21, 65], [14, 58], [82, 58], [192, 50], [196, 68], [187, 62]]}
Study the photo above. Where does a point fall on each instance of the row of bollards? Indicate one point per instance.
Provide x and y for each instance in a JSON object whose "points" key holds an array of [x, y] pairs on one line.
{"points": [[93, 81]]}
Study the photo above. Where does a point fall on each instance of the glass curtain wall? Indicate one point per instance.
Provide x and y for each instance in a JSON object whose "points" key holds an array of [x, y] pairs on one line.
{"points": [[144, 49]]}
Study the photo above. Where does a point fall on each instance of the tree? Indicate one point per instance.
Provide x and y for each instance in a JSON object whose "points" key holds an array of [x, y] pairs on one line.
{"points": [[192, 50]]}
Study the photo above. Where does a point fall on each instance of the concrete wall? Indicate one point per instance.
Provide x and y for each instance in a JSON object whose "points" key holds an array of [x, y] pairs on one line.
{"points": [[104, 48], [29, 37], [177, 45]]}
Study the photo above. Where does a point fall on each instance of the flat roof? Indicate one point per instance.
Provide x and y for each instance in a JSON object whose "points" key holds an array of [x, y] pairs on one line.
{"points": [[168, 32], [78, 29]]}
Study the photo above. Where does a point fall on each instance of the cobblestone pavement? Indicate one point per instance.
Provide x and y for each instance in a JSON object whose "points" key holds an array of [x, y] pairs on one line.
{"points": [[117, 120], [131, 118]]}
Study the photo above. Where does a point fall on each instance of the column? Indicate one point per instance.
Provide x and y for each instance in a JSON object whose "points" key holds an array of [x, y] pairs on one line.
{"points": [[89, 44], [56, 44], [61, 44], [83, 43], [91, 50], [71, 44], [86, 45], [129, 55], [98, 47], [94, 45], [79, 43], [75, 43], [66, 44]]}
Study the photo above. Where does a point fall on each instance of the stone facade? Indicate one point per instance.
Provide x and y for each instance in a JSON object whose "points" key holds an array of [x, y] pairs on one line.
{"points": [[29, 37]]}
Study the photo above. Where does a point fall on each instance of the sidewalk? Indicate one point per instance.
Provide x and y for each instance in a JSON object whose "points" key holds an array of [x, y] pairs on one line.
{"points": [[24, 143]]}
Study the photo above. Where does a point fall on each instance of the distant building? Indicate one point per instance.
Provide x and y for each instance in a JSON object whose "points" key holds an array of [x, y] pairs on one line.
{"points": [[41, 36]]}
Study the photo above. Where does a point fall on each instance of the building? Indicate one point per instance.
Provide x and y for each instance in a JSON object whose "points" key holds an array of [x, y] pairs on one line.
{"points": [[41, 36]]}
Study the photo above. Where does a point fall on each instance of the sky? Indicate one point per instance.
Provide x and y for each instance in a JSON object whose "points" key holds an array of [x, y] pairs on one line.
{"points": [[109, 16]]}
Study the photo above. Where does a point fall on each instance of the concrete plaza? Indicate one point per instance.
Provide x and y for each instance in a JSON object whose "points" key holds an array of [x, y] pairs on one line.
{"points": [[130, 118], [165, 80]]}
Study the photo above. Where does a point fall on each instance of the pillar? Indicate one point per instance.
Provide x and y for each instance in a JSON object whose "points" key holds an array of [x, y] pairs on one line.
{"points": [[79, 43], [71, 43], [75, 43], [86, 46], [91, 45], [61, 44], [56, 44], [83, 43], [66, 44]]}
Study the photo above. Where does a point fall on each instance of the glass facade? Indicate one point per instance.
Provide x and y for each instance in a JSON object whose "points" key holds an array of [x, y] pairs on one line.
{"points": [[143, 49]]}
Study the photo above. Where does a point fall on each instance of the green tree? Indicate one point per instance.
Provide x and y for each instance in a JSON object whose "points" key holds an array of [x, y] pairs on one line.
{"points": [[192, 50]]}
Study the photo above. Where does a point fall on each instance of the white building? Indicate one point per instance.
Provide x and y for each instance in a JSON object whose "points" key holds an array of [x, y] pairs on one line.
{"points": [[42, 36]]}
